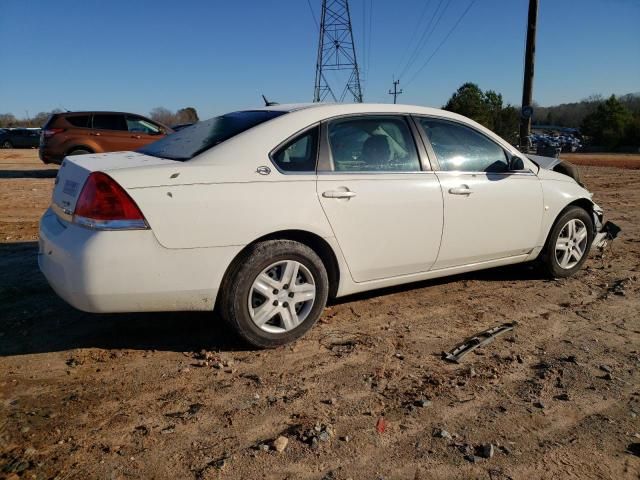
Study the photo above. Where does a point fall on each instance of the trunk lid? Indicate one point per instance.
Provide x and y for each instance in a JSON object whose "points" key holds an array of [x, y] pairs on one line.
{"points": [[74, 171]]}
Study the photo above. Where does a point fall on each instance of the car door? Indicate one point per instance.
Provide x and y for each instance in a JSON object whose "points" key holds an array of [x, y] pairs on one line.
{"points": [[142, 131], [382, 202], [20, 137], [110, 131], [490, 212]]}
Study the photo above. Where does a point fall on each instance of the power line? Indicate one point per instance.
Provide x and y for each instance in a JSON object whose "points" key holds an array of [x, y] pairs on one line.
{"points": [[313, 14], [442, 42], [415, 32], [426, 35], [369, 36]]}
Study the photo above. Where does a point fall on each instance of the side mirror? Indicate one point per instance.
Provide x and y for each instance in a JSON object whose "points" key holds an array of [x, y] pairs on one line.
{"points": [[515, 163]]}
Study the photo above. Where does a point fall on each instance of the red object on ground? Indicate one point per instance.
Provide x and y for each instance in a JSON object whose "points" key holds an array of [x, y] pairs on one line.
{"points": [[381, 425]]}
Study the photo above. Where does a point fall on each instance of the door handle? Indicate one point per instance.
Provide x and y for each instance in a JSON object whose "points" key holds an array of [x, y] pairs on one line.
{"points": [[461, 190], [136, 136], [338, 194], [97, 134]]}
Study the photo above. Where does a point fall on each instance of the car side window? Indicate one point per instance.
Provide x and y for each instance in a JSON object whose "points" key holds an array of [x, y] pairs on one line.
{"points": [[460, 148], [109, 122], [141, 125], [81, 121], [299, 154], [373, 144]]}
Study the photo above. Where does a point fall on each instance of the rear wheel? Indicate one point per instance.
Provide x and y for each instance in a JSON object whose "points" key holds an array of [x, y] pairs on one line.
{"points": [[275, 293], [7, 144], [80, 151], [569, 242]]}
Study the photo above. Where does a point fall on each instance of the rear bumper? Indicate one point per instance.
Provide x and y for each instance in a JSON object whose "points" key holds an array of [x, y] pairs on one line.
{"points": [[127, 271], [48, 157]]}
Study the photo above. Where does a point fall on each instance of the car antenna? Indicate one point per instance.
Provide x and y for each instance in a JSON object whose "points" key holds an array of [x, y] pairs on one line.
{"points": [[267, 103]]}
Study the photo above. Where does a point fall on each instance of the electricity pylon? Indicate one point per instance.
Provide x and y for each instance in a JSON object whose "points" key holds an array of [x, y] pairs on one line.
{"points": [[336, 51]]}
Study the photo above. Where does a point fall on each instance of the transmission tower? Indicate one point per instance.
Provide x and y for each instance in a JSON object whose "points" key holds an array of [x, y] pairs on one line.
{"points": [[336, 51]]}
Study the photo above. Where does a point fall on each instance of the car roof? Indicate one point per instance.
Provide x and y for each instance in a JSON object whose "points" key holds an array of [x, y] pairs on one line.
{"points": [[91, 112]]}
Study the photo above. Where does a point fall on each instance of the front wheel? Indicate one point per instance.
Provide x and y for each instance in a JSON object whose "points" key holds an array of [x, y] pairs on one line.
{"points": [[569, 243], [275, 293]]}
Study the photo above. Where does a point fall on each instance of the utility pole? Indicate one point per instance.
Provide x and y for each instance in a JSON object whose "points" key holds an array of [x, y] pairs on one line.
{"points": [[395, 92], [336, 51], [527, 87]]}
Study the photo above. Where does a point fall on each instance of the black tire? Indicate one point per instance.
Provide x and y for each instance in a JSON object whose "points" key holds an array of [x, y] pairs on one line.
{"points": [[7, 144], [233, 298], [549, 258], [79, 151]]}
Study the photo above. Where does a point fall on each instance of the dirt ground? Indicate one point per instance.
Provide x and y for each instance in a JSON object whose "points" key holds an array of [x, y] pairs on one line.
{"points": [[365, 395]]}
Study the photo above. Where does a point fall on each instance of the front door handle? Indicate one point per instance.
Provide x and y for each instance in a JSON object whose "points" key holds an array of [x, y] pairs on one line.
{"points": [[136, 136], [97, 134], [338, 194], [461, 190]]}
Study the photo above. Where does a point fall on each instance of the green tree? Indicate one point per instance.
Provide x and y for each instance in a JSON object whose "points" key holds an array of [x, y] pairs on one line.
{"points": [[487, 109], [608, 124], [470, 101]]}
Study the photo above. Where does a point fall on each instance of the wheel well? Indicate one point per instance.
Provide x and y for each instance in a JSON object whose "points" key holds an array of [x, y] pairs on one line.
{"points": [[311, 240], [582, 203]]}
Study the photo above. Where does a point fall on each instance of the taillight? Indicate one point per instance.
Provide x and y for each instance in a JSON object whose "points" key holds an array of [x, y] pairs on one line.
{"points": [[104, 205], [50, 132]]}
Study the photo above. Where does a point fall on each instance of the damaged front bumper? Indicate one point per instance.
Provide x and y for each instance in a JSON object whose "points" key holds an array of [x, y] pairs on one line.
{"points": [[604, 233]]}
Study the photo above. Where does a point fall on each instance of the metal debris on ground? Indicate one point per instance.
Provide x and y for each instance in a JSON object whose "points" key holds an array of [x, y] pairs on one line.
{"points": [[479, 340]]}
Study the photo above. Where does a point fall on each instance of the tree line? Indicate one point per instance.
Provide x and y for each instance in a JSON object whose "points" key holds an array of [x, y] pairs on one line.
{"points": [[159, 114], [613, 122]]}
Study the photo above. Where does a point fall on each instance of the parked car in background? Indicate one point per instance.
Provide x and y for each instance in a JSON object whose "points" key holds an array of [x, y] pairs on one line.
{"points": [[19, 137], [79, 133], [264, 214]]}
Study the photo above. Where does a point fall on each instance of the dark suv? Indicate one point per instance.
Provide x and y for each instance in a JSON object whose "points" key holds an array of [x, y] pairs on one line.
{"points": [[78, 133], [19, 137]]}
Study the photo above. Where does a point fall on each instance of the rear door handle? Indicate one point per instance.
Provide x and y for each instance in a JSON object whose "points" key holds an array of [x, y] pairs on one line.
{"points": [[97, 134], [461, 190], [338, 194]]}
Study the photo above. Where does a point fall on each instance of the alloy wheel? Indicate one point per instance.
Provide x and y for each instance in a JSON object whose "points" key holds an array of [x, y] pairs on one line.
{"points": [[571, 244], [282, 296]]}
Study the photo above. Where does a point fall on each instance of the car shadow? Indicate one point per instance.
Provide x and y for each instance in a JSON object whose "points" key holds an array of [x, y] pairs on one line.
{"points": [[46, 173], [33, 319]]}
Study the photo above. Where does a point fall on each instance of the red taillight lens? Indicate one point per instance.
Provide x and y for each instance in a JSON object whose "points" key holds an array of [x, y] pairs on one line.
{"points": [[50, 132], [102, 199]]}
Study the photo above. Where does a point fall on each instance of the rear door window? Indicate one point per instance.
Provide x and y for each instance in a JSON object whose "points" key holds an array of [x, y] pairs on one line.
{"points": [[373, 144], [81, 121], [109, 122]]}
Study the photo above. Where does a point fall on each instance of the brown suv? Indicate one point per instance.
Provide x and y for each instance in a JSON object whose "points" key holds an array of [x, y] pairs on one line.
{"points": [[77, 133]]}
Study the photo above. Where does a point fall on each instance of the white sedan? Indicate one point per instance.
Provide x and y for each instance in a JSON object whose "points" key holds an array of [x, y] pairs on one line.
{"points": [[261, 215]]}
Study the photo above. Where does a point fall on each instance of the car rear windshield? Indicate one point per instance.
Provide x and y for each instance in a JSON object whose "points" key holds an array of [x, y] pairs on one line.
{"points": [[199, 137]]}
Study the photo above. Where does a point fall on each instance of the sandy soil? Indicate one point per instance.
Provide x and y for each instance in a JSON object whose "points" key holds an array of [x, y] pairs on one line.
{"points": [[618, 160], [172, 396]]}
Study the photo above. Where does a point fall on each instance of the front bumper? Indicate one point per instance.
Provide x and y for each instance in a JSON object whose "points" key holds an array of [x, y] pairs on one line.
{"points": [[603, 232], [127, 271]]}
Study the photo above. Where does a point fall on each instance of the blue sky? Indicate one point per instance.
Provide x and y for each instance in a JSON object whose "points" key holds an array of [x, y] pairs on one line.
{"points": [[217, 55]]}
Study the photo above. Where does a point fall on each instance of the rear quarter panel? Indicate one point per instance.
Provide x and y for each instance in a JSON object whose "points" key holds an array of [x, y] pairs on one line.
{"points": [[230, 213]]}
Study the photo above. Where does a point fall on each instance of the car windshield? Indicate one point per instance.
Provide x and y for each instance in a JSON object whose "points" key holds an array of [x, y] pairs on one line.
{"points": [[190, 141]]}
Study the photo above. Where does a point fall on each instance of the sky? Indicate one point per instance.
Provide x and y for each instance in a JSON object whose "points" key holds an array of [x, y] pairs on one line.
{"points": [[219, 56]]}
